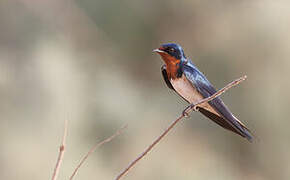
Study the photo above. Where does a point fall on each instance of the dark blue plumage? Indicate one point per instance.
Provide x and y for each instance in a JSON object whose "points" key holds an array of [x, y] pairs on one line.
{"points": [[218, 112], [174, 50]]}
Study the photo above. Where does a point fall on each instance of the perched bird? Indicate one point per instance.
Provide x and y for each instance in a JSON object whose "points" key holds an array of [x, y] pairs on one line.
{"points": [[182, 76]]}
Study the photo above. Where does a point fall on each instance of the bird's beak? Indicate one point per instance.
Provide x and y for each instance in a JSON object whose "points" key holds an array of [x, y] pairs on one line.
{"points": [[158, 51]]}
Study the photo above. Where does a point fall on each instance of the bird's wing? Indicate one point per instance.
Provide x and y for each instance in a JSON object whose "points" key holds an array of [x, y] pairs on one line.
{"points": [[204, 87], [165, 77]]}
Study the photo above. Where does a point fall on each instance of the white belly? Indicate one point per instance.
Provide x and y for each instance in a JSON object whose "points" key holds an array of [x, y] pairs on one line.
{"points": [[185, 89]]}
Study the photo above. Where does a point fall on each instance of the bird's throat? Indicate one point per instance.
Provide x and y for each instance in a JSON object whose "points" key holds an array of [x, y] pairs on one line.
{"points": [[172, 65]]}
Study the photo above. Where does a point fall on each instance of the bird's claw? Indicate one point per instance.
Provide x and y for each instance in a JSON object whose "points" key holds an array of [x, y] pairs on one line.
{"points": [[185, 112]]}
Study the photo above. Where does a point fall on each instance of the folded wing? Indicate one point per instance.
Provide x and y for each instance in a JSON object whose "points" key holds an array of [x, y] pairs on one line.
{"points": [[226, 118]]}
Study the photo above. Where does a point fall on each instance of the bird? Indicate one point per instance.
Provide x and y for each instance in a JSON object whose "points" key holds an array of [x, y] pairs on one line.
{"points": [[183, 77]]}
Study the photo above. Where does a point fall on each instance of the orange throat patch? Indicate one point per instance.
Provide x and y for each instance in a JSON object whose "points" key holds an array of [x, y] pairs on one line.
{"points": [[172, 65]]}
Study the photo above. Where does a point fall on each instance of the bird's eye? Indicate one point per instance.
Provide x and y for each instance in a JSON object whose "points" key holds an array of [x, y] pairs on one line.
{"points": [[171, 50]]}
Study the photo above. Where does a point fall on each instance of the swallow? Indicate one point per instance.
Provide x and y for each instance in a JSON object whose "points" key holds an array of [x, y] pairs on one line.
{"points": [[182, 76]]}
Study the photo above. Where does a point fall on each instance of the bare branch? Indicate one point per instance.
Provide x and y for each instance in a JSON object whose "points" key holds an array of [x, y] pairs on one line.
{"points": [[189, 108], [95, 147], [215, 95], [61, 153]]}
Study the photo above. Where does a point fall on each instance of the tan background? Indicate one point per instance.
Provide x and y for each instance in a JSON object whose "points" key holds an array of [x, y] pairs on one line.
{"points": [[91, 62]]}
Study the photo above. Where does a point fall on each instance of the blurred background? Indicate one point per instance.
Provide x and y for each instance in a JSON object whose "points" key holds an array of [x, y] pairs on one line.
{"points": [[91, 63]]}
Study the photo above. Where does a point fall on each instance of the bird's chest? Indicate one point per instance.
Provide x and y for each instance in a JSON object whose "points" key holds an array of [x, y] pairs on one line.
{"points": [[185, 89]]}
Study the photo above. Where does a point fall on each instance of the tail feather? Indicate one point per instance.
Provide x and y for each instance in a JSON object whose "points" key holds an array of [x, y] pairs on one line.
{"points": [[239, 128]]}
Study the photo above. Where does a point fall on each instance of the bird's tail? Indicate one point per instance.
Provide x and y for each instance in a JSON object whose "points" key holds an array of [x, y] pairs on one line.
{"points": [[235, 125]]}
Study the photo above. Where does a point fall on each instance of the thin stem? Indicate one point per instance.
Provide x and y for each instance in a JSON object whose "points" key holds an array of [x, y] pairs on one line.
{"points": [[218, 93], [95, 147], [61, 153]]}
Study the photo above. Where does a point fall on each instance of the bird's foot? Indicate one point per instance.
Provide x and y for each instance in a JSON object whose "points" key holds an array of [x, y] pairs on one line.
{"points": [[186, 111]]}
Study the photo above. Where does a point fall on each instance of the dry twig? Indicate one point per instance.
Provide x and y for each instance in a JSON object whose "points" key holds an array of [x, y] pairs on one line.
{"points": [[95, 147], [188, 109], [61, 153]]}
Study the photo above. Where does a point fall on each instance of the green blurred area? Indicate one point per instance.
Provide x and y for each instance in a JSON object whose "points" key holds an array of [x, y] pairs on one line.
{"points": [[91, 62]]}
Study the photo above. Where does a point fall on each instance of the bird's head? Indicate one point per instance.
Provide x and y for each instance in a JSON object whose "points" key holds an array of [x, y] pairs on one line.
{"points": [[171, 53]]}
